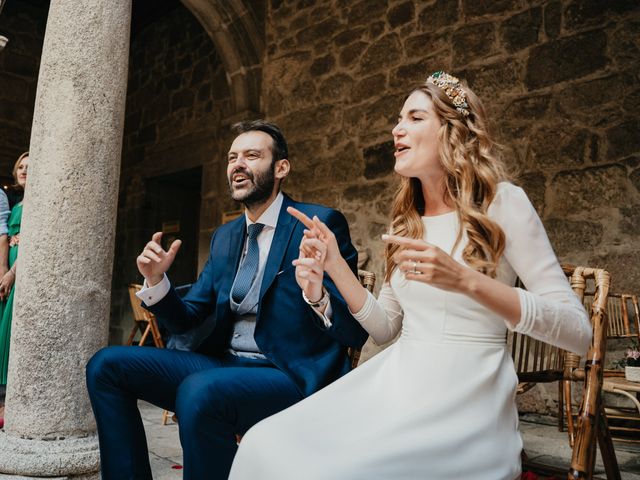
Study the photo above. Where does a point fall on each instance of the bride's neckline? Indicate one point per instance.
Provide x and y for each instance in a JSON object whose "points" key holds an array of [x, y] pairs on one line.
{"points": [[427, 217]]}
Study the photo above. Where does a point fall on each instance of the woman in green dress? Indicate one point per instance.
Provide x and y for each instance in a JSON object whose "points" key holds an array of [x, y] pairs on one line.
{"points": [[8, 280]]}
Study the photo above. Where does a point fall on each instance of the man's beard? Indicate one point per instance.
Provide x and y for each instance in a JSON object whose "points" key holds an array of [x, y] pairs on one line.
{"points": [[262, 184]]}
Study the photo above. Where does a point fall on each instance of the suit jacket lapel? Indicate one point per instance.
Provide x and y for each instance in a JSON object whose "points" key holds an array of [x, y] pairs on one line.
{"points": [[281, 238], [235, 242]]}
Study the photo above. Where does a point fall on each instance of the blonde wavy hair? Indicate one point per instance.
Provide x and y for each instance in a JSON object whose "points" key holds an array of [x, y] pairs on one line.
{"points": [[473, 170]]}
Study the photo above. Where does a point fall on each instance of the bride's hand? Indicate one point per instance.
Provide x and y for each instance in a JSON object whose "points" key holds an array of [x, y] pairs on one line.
{"points": [[426, 263]]}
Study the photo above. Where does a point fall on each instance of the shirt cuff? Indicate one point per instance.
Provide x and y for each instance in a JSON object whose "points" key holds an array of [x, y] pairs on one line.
{"points": [[362, 314], [152, 295], [326, 316], [527, 313]]}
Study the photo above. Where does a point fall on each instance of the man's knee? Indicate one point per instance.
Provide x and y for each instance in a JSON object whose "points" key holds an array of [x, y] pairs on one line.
{"points": [[198, 398], [103, 365]]}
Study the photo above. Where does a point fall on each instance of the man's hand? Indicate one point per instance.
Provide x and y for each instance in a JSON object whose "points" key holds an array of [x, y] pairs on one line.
{"points": [[153, 262]]}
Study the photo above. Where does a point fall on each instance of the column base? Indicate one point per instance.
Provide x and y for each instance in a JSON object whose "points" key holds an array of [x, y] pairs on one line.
{"points": [[67, 458]]}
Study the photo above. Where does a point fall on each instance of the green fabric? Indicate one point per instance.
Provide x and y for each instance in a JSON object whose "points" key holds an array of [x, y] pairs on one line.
{"points": [[6, 307]]}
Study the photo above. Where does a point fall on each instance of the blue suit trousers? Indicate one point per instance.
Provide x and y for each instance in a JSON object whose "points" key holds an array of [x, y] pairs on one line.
{"points": [[213, 397]]}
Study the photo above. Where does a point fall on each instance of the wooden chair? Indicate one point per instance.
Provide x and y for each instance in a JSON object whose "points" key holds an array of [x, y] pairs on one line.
{"points": [[368, 281], [539, 363], [624, 323], [145, 321]]}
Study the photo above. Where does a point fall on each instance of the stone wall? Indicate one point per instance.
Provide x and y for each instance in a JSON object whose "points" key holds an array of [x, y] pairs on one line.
{"points": [[24, 26], [559, 78], [177, 99]]}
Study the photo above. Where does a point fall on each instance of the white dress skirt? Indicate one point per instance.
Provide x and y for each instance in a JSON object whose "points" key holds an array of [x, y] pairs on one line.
{"points": [[440, 402]]}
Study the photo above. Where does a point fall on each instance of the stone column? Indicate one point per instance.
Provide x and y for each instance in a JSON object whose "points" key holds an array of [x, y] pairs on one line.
{"points": [[65, 261]]}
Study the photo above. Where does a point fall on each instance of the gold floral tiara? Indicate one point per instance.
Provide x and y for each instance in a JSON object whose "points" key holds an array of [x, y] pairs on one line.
{"points": [[451, 86]]}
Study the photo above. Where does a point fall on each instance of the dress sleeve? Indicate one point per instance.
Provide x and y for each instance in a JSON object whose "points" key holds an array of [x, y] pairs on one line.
{"points": [[381, 318], [550, 310]]}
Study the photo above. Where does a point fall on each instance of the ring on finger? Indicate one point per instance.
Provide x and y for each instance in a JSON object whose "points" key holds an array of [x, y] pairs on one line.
{"points": [[414, 269]]}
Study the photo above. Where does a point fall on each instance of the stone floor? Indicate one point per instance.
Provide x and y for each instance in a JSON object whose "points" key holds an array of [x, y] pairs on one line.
{"points": [[543, 444]]}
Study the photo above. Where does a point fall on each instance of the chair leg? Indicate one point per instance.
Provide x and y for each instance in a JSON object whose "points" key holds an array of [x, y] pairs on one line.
{"points": [[144, 336], [606, 447], [165, 417], [155, 332], [567, 405], [134, 330], [560, 407]]}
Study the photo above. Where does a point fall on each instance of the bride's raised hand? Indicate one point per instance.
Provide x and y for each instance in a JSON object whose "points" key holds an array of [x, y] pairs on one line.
{"points": [[424, 262], [317, 230]]}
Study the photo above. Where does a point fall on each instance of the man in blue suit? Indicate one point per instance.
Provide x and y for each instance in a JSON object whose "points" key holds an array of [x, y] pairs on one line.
{"points": [[267, 347]]}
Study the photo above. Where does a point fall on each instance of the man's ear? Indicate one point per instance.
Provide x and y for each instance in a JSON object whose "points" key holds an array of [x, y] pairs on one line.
{"points": [[282, 168]]}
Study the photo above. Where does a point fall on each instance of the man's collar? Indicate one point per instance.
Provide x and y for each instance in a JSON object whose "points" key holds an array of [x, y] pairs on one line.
{"points": [[270, 216]]}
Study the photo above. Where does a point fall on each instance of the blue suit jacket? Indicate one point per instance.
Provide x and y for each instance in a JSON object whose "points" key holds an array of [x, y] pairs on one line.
{"points": [[288, 332]]}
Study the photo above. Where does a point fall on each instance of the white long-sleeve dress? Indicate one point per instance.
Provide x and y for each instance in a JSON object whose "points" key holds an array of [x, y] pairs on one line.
{"points": [[440, 402]]}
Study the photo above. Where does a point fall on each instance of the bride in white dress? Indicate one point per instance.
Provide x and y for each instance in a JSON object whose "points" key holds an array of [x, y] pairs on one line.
{"points": [[440, 402]]}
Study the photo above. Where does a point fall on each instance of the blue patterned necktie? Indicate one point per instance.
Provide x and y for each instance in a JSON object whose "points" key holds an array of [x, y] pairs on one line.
{"points": [[249, 268]]}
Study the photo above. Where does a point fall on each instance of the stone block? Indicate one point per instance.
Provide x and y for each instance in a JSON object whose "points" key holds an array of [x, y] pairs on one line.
{"points": [[428, 43], [569, 236], [623, 278], [369, 87], [534, 184], [560, 145], [319, 31], [440, 14], [623, 139], [634, 177], [322, 65], [589, 96], [365, 191], [378, 160], [552, 19], [411, 75], [383, 53], [348, 36], [578, 191], [364, 11], [493, 80], [318, 118], [375, 30], [530, 108], [630, 220], [336, 87], [582, 13], [475, 8], [567, 58], [521, 30], [473, 42], [401, 14], [374, 117], [624, 44], [350, 54]]}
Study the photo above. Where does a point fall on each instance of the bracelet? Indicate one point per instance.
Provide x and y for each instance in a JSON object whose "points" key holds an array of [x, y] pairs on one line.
{"points": [[320, 303]]}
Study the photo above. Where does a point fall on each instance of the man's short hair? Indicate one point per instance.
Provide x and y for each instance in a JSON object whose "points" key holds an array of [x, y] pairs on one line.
{"points": [[279, 149]]}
